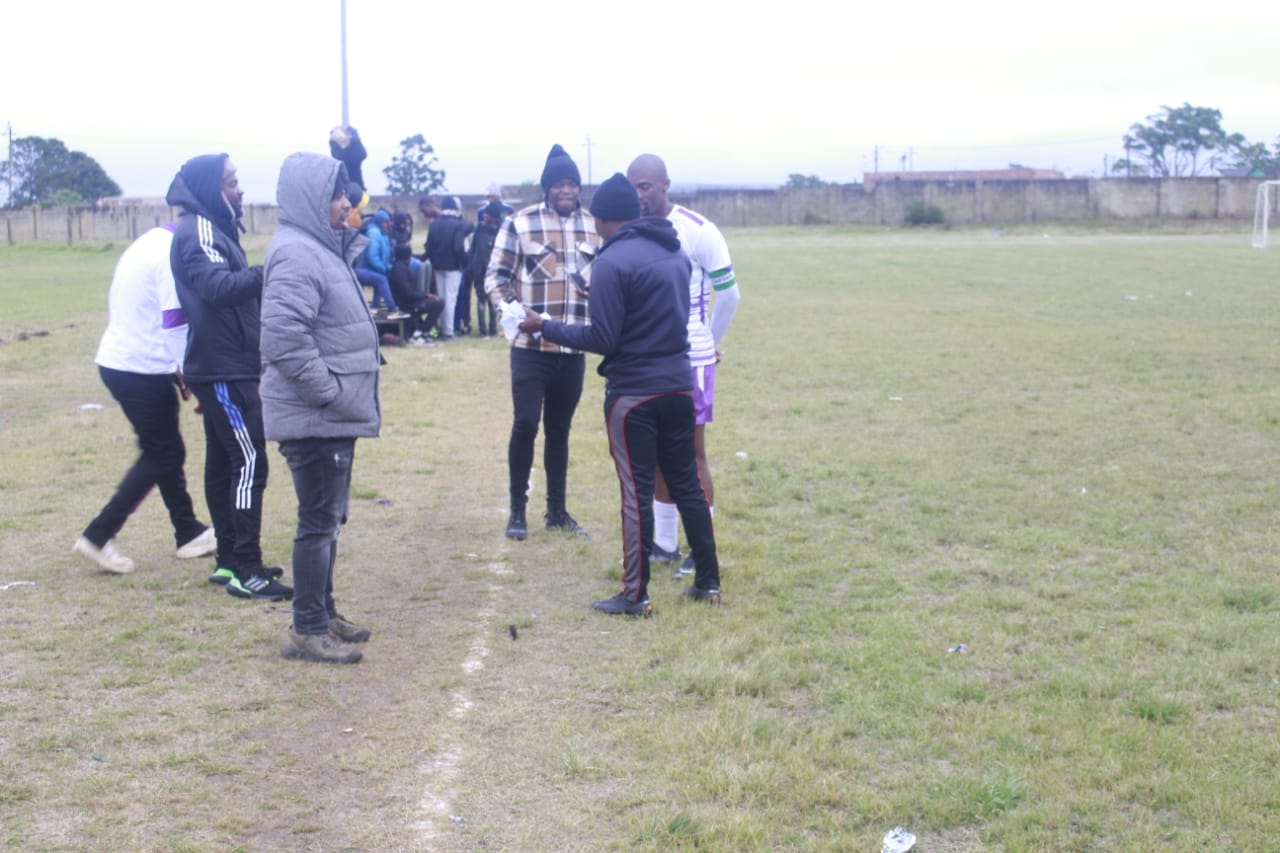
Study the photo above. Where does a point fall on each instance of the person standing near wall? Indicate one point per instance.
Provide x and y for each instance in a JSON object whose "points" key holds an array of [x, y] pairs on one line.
{"points": [[140, 361], [319, 387], [534, 253], [712, 272], [447, 254], [221, 297]]}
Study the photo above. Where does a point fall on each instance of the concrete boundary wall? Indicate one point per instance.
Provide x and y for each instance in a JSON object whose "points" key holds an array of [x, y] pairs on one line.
{"points": [[887, 203]]}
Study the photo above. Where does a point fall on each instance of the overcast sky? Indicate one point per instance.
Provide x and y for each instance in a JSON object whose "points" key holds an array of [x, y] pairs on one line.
{"points": [[726, 92]]}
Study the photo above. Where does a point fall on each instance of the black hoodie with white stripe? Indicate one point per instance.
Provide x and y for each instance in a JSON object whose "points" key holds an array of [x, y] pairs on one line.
{"points": [[219, 292]]}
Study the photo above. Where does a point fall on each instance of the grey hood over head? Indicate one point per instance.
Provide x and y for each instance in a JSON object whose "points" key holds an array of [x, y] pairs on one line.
{"points": [[303, 193]]}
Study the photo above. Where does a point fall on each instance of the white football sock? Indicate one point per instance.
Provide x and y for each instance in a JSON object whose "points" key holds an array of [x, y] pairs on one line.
{"points": [[666, 525]]}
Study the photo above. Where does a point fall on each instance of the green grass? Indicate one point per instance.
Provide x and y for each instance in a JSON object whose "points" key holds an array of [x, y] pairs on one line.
{"points": [[1057, 451]]}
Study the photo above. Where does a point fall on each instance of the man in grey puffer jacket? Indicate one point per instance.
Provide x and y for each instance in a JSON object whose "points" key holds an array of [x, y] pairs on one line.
{"points": [[319, 385]]}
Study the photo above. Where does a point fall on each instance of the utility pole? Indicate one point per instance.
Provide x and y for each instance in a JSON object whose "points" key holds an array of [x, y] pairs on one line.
{"points": [[346, 118], [589, 183]]}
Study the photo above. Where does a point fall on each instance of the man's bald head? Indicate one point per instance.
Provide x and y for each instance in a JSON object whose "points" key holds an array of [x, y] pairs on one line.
{"points": [[648, 174]]}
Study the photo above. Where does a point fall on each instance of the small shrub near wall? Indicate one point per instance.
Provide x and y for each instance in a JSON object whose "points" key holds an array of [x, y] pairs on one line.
{"points": [[919, 213]]}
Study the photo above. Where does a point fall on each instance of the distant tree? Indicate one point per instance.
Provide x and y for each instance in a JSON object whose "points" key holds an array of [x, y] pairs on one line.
{"points": [[1018, 166], [1181, 141], [45, 172], [797, 181], [414, 171], [1256, 157], [1129, 168]]}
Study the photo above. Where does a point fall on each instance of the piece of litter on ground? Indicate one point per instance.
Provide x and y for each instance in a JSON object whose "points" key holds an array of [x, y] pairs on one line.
{"points": [[515, 634], [456, 818], [1083, 490], [383, 501], [89, 407], [348, 730], [897, 840], [12, 584], [1188, 293], [958, 649], [741, 454], [896, 399], [1131, 299]]}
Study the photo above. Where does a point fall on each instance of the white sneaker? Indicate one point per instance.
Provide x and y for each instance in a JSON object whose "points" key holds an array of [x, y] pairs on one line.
{"points": [[204, 545], [107, 557]]}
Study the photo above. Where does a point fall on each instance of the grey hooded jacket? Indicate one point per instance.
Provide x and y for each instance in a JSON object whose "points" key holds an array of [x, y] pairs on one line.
{"points": [[319, 343]]}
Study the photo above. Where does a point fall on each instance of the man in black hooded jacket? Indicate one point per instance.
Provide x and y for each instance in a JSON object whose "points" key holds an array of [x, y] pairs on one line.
{"points": [[221, 295], [639, 309]]}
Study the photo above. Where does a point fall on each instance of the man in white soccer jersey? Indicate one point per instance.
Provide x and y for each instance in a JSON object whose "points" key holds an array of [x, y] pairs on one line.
{"points": [[702, 241]]}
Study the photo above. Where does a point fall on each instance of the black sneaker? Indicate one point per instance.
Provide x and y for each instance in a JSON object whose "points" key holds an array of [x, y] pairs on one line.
{"points": [[685, 569], [710, 596], [272, 573], [620, 605], [517, 527], [658, 554], [561, 520], [257, 586]]}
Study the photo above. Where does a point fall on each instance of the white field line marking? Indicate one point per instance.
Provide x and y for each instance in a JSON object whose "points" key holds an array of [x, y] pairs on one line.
{"points": [[442, 767]]}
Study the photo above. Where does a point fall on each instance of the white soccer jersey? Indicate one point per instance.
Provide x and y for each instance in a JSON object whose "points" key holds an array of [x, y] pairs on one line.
{"points": [[146, 327], [702, 241]]}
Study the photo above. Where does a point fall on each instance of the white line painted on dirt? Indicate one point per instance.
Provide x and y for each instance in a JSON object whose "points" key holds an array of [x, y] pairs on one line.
{"points": [[442, 767]]}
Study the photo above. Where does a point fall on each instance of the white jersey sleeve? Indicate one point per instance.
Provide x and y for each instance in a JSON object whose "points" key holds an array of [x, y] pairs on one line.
{"points": [[708, 252]]}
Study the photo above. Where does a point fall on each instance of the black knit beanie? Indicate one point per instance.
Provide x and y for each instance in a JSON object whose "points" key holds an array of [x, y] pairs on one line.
{"points": [[616, 200], [559, 166]]}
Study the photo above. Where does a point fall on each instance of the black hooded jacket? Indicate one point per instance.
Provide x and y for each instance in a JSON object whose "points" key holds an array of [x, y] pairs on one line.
{"points": [[639, 311], [219, 292]]}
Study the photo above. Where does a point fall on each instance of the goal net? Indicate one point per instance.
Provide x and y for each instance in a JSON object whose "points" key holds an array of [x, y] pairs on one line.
{"points": [[1263, 210]]}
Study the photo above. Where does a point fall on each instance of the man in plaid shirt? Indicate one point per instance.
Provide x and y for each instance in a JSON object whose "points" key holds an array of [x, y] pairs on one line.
{"points": [[536, 252]]}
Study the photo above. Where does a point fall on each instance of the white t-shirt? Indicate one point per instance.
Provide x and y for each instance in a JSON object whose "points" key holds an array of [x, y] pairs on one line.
{"points": [[702, 241], [146, 327]]}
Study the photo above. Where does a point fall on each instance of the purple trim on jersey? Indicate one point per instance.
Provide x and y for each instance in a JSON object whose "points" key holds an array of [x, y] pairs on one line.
{"points": [[693, 217], [171, 227], [173, 318], [701, 304]]}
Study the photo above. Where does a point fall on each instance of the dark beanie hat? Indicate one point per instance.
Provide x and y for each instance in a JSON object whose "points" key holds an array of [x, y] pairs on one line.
{"points": [[559, 166], [616, 200], [493, 209], [449, 203]]}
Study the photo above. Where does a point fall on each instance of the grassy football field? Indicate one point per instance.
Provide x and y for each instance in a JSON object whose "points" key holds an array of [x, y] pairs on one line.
{"points": [[997, 515]]}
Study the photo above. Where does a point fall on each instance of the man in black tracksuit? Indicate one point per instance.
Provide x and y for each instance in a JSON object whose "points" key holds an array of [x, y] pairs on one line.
{"points": [[639, 309], [221, 294]]}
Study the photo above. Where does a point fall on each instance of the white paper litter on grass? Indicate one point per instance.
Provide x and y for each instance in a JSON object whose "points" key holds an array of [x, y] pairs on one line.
{"points": [[897, 840]]}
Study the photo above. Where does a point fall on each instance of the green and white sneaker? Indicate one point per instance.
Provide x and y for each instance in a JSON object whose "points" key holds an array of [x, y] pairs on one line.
{"points": [[221, 575]]}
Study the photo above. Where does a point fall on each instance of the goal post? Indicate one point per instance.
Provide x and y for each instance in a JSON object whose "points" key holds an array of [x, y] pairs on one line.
{"points": [[1267, 193]]}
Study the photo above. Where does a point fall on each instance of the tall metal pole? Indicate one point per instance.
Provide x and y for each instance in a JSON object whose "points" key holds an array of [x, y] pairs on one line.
{"points": [[346, 118]]}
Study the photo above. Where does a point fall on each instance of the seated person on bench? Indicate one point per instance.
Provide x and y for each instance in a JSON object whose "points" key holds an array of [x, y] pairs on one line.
{"points": [[424, 308], [375, 262]]}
